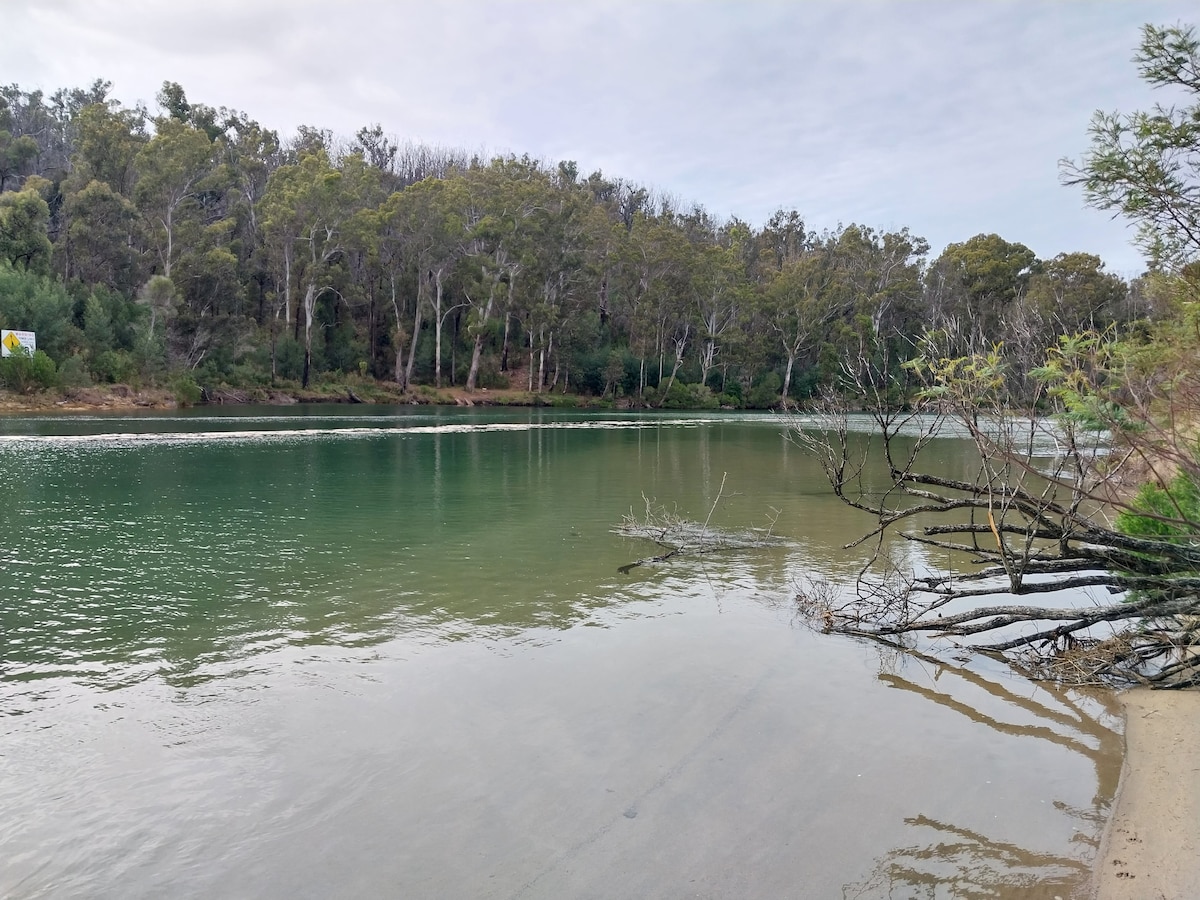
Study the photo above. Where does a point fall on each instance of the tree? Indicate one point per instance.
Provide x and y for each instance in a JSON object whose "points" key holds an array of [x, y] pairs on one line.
{"points": [[172, 169], [107, 143], [1088, 471], [24, 216], [798, 301], [309, 204], [718, 285], [1071, 293], [969, 288], [425, 223], [1146, 165], [101, 241]]}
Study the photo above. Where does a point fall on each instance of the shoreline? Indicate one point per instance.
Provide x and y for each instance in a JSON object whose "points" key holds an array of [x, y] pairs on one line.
{"points": [[121, 397], [1150, 849]]}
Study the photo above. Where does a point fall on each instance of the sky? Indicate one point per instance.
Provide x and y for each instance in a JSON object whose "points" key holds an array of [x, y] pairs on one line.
{"points": [[944, 116]]}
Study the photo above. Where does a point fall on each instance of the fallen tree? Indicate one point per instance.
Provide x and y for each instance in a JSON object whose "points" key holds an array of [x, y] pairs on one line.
{"points": [[1088, 471], [1049, 508]]}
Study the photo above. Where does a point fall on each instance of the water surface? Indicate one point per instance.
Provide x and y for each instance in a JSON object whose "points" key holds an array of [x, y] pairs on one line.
{"points": [[319, 652]]}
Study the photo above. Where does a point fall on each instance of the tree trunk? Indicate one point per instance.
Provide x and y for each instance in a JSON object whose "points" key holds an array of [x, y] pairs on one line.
{"points": [[310, 302], [287, 285], [437, 328], [412, 344], [477, 351], [787, 380], [398, 340], [541, 379], [504, 345], [680, 346], [529, 374]]}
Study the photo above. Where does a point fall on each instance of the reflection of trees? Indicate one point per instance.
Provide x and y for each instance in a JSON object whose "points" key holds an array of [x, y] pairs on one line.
{"points": [[945, 860], [960, 863]]}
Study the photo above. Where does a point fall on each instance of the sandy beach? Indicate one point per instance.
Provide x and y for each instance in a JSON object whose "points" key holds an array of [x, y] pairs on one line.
{"points": [[1151, 847]]}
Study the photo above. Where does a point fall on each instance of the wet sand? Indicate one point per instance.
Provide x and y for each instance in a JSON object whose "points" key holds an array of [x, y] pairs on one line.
{"points": [[1151, 847]]}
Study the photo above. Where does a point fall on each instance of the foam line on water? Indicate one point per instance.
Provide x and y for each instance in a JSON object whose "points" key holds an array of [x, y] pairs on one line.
{"points": [[251, 435]]}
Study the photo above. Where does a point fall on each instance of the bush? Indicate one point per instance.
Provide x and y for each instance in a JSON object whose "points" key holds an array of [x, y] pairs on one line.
{"points": [[765, 394], [289, 358], [687, 396], [22, 372], [185, 389], [73, 372], [1156, 511], [114, 367]]}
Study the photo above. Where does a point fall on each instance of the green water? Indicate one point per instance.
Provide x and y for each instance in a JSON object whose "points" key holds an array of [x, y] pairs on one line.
{"points": [[314, 653]]}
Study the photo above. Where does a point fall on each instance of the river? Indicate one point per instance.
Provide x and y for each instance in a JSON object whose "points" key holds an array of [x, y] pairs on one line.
{"points": [[389, 652]]}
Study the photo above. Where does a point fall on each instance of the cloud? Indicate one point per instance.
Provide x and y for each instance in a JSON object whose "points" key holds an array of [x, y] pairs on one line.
{"points": [[946, 117]]}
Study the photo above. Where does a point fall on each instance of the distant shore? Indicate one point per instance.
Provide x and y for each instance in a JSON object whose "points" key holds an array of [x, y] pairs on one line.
{"points": [[118, 397], [1151, 846]]}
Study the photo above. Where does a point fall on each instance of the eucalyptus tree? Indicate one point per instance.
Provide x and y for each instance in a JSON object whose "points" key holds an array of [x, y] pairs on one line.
{"points": [[423, 229], [1072, 292], [24, 217], [108, 140], [558, 271], [882, 271], [971, 286], [378, 150], [719, 286], [17, 151], [655, 264], [798, 300], [307, 205], [248, 153], [101, 241], [173, 169], [509, 200], [37, 133], [101, 237]]}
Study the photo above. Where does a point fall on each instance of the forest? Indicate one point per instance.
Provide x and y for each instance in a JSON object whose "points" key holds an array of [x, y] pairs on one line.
{"points": [[192, 248]]}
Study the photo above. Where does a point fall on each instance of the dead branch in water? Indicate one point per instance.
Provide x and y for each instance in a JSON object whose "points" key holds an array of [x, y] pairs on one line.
{"points": [[1033, 515], [679, 536]]}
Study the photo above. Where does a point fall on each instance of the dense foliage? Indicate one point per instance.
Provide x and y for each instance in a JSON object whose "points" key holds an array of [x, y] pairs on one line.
{"points": [[140, 246]]}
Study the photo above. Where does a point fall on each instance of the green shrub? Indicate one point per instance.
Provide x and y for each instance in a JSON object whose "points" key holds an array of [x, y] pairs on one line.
{"points": [[114, 367], [23, 372], [765, 394], [688, 396], [289, 358], [185, 389], [1181, 500], [73, 372]]}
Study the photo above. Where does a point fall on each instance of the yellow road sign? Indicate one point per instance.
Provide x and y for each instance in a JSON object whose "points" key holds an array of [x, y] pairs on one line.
{"points": [[17, 341]]}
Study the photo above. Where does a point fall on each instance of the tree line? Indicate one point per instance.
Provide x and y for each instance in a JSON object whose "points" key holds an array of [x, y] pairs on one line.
{"points": [[195, 244]]}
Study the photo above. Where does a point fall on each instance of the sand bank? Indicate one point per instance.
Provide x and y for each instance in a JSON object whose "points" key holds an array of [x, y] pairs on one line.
{"points": [[1151, 847]]}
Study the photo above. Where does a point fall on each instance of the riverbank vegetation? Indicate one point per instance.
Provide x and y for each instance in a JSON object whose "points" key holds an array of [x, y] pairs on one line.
{"points": [[1088, 472], [189, 248]]}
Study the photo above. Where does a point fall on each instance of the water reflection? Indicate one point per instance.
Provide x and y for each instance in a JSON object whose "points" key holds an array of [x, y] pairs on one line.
{"points": [[945, 859], [956, 862]]}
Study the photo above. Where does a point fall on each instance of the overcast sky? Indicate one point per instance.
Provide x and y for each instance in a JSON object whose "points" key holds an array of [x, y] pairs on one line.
{"points": [[946, 117]]}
